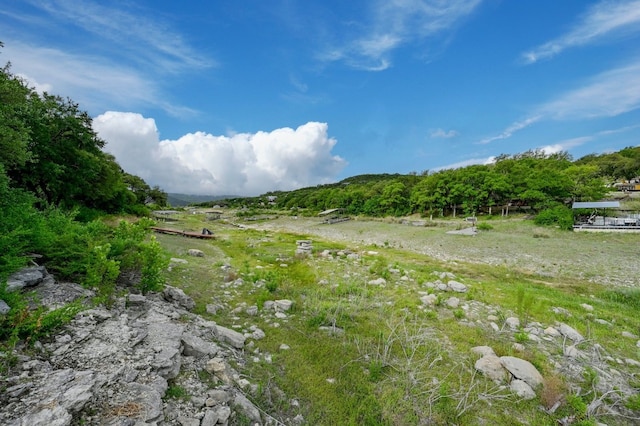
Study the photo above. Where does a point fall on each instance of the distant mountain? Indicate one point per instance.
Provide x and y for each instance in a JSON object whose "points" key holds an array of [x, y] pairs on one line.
{"points": [[180, 200]]}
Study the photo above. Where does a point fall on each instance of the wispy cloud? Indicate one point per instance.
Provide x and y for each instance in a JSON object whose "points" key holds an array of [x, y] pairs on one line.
{"points": [[395, 23], [443, 134], [154, 42], [513, 128], [93, 82], [607, 18], [608, 94]]}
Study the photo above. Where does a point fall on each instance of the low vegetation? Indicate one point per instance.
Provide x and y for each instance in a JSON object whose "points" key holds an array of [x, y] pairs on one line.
{"points": [[363, 353]]}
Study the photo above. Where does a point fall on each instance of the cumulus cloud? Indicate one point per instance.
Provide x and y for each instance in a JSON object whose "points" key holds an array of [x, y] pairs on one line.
{"points": [[443, 134], [603, 19], [239, 164]]}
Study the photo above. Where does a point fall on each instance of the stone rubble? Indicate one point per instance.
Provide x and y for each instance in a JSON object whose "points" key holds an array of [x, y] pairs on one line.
{"points": [[115, 366]]}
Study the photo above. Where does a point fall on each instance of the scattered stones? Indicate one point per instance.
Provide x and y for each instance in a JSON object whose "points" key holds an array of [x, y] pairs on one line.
{"points": [[570, 333], [452, 302], [512, 322], [178, 296], [551, 331], [523, 370], [429, 299], [195, 253], [379, 281], [27, 277], [491, 366], [456, 286], [587, 307], [231, 337], [483, 350], [522, 389], [283, 305], [629, 335], [4, 308], [304, 248]]}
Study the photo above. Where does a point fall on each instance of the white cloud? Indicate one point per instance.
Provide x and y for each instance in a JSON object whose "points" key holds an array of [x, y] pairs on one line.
{"points": [[608, 94], [443, 134], [240, 164], [32, 83], [152, 42], [469, 162], [394, 23], [604, 19], [91, 81], [565, 145], [515, 127]]}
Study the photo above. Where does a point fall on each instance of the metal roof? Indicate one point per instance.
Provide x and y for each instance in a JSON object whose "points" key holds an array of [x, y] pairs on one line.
{"points": [[596, 205], [326, 212]]}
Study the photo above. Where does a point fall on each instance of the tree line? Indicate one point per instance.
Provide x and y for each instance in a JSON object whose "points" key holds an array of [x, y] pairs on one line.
{"points": [[533, 179]]}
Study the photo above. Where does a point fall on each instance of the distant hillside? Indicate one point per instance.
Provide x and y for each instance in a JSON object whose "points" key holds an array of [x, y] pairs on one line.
{"points": [[180, 200]]}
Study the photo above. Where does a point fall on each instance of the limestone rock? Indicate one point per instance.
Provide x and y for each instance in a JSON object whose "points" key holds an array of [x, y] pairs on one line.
{"points": [[491, 367], [4, 308], [197, 347], [429, 299], [522, 389], [379, 281], [195, 253], [570, 333], [523, 370], [283, 305], [457, 286], [452, 302], [26, 277], [177, 296], [483, 350], [247, 407], [231, 337], [512, 322]]}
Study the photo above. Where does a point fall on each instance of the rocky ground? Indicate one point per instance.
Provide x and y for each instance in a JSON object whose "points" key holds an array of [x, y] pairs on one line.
{"points": [[115, 365], [150, 360]]}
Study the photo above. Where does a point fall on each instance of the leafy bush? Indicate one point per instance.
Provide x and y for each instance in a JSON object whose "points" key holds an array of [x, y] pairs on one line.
{"points": [[153, 263], [484, 226], [560, 215]]}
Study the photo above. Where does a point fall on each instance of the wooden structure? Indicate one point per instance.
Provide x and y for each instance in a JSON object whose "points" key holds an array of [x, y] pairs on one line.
{"points": [[333, 216], [205, 234]]}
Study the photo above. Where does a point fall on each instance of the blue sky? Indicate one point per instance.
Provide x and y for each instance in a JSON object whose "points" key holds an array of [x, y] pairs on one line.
{"points": [[247, 96]]}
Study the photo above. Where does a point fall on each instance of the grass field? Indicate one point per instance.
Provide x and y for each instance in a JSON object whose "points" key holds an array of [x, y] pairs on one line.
{"points": [[362, 353]]}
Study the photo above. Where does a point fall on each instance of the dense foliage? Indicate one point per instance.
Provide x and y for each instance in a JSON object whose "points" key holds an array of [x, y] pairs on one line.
{"points": [[56, 182], [532, 180], [49, 149]]}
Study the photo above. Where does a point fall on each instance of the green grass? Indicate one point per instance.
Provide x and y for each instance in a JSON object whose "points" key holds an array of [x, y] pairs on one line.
{"points": [[398, 362]]}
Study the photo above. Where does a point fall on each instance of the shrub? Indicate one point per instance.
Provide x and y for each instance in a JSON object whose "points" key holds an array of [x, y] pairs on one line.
{"points": [[484, 226], [153, 263], [560, 215]]}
